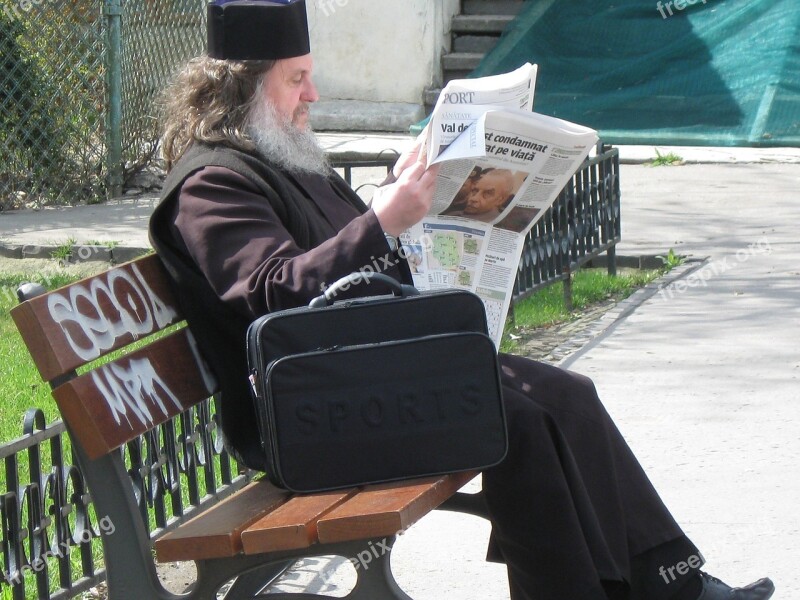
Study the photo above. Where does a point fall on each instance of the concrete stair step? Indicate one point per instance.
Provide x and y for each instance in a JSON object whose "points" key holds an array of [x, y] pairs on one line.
{"points": [[480, 24], [475, 32], [458, 74], [474, 43], [461, 61], [492, 7]]}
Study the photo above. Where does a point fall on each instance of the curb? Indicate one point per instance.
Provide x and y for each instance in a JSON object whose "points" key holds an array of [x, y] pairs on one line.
{"points": [[10, 251], [78, 253], [642, 261], [568, 352]]}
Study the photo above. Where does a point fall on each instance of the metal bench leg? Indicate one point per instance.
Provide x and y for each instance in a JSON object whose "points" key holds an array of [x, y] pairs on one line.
{"points": [[375, 580], [247, 585], [375, 577], [372, 561], [213, 574]]}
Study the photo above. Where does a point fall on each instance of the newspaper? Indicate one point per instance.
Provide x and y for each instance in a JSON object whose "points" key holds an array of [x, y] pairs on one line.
{"points": [[502, 168], [463, 101]]}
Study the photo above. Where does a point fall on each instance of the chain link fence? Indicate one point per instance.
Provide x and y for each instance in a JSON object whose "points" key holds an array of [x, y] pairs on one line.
{"points": [[157, 37], [78, 84]]}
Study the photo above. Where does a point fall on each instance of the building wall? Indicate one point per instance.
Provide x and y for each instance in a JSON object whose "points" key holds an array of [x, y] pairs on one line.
{"points": [[376, 57]]}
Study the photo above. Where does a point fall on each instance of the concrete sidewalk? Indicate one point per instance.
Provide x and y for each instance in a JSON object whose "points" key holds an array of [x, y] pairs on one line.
{"points": [[703, 377]]}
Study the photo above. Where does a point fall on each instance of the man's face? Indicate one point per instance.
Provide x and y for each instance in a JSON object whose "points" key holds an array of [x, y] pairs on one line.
{"points": [[488, 193], [288, 85]]}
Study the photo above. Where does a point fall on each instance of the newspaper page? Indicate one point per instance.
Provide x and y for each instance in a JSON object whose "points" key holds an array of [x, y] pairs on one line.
{"points": [[463, 101], [497, 178]]}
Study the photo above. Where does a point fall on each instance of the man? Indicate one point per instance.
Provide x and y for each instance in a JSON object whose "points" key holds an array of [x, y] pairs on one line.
{"points": [[484, 196], [253, 220], [490, 194]]}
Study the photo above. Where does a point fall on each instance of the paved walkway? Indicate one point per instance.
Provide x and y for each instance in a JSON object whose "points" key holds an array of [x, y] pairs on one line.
{"points": [[703, 377]]}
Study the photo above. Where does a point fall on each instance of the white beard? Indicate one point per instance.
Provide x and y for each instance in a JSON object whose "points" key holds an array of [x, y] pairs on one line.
{"points": [[282, 143]]}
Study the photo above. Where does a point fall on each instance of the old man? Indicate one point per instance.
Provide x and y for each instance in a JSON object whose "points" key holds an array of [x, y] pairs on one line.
{"points": [[253, 220]]}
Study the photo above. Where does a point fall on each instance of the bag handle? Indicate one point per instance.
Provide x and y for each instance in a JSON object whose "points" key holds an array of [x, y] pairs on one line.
{"points": [[401, 290]]}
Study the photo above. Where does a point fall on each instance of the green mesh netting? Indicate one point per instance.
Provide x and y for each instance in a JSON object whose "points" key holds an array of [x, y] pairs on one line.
{"points": [[716, 72]]}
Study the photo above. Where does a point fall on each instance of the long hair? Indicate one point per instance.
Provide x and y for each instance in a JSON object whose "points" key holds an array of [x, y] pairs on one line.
{"points": [[210, 101]]}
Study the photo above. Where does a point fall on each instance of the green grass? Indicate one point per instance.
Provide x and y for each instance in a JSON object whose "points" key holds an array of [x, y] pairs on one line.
{"points": [[589, 287], [21, 387], [64, 249], [666, 160], [102, 243], [671, 259]]}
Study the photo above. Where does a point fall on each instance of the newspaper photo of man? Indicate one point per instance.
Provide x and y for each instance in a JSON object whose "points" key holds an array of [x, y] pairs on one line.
{"points": [[486, 194]]}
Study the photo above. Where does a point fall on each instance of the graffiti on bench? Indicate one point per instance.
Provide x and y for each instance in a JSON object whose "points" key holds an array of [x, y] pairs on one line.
{"points": [[94, 318]]}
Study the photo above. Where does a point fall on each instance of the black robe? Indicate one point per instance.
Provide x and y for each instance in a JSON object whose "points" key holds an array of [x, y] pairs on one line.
{"points": [[573, 513]]}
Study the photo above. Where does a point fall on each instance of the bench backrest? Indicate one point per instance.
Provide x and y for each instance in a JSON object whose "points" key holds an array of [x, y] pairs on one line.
{"points": [[118, 398], [114, 402]]}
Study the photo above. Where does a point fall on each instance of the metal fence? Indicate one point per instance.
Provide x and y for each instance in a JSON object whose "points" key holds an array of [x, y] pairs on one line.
{"points": [[50, 546], [78, 82], [583, 222]]}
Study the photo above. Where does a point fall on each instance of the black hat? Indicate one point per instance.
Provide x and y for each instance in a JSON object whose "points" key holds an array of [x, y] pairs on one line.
{"points": [[257, 29]]}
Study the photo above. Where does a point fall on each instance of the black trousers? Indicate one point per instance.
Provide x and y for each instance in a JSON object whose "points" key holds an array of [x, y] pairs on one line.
{"points": [[574, 516]]}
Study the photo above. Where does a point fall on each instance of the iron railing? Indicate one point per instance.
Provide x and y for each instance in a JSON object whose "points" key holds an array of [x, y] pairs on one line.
{"points": [[583, 222], [50, 539]]}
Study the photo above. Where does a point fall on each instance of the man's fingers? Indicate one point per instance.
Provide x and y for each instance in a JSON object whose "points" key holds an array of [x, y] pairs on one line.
{"points": [[417, 172], [403, 203], [428, 178], [408, 158], [412, 173]]}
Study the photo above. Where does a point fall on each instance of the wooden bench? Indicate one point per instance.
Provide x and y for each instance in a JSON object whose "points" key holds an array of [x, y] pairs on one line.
{"points": [[255, 532]]}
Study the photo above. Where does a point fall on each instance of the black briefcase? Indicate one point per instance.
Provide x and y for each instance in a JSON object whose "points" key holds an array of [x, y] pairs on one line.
{"points": [[376, 389]]}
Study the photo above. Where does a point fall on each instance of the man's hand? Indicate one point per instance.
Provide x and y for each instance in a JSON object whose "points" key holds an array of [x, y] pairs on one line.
{"points": [[413, 155], [405, 202]]}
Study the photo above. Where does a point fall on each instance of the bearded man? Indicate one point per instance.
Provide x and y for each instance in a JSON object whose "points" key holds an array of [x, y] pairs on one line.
{"points": [[493, 190], [252, 220]]}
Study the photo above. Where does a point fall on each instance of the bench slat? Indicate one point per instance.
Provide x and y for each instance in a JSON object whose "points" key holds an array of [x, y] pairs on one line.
{"points": [[386, 509], [118, 401], [86, 320], [216, 533], [292, 525]]}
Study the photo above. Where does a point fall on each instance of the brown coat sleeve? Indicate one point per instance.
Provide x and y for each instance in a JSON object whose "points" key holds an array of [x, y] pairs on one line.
{"points": [[251, 259]]}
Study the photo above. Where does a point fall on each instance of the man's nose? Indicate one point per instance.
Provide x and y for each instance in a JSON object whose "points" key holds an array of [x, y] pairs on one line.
{"points": [[310, 93]]}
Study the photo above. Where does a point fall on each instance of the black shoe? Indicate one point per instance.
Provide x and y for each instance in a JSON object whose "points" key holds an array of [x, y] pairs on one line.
{"points": [[714, 589]]}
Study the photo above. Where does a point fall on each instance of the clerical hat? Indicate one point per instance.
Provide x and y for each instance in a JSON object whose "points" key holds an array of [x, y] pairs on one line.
{"points": [[257, 29]]}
